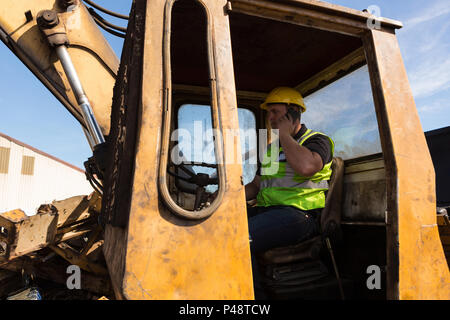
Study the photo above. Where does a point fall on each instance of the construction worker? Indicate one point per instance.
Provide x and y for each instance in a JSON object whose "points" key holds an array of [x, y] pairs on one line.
{"points": [[289, 199]]}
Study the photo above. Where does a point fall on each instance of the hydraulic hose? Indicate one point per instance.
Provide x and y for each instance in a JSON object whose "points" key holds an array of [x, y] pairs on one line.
{"points": [[104, 10]]}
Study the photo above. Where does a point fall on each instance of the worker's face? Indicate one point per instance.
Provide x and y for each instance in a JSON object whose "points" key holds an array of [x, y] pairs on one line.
{"points": [[274, 113]]}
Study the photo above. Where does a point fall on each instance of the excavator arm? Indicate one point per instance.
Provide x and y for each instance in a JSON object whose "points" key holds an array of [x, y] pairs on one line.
{"points": [[91, 56], [61, 44]]}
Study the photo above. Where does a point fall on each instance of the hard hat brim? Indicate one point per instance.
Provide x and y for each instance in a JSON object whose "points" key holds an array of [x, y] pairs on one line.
{"points": [[265, 107]]}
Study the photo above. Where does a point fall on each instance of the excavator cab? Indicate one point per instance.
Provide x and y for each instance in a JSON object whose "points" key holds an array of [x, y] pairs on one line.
{"points": [[196, 73]]}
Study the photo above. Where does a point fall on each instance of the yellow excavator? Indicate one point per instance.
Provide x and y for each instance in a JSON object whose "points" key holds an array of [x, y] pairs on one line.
{"points": [[160, 226]]}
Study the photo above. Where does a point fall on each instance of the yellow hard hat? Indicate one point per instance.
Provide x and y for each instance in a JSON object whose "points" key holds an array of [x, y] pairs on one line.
{"points": [[284, 95]]}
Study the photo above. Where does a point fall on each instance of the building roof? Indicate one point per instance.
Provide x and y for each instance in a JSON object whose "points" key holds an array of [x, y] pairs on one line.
{"points": [[40, 152]]}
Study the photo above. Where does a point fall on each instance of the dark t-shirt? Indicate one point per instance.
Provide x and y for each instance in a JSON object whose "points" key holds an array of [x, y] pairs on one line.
{"points": [[317, 143]]}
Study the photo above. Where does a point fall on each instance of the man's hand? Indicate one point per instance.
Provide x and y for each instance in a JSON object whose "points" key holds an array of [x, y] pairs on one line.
{"points": [[285, 125]]}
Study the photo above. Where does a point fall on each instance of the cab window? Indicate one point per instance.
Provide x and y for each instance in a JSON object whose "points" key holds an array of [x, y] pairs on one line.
{"points": [[196, 144], [345, 111]]}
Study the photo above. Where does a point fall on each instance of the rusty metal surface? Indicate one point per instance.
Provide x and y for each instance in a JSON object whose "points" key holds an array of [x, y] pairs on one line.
{"points": [[74, 257], [71, 210], [119, 174], [337, 10], [57, 272], [259, 50], [153, 238], [31, 244], [35, 233], [365, 191], [67, 219], [26, 234], [156, 239], [417, 268], [314, 14], [144, 235], [14, 216], [166, 197], [332, 73]]}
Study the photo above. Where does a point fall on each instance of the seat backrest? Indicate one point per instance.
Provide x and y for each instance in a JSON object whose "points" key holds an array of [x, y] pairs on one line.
{"points": [[330, 218]]}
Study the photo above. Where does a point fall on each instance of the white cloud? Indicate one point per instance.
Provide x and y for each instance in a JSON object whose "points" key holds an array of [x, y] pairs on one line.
{"points": [[434, 39], [431, 77], [426, 44], [437, 10], [433, 106]]}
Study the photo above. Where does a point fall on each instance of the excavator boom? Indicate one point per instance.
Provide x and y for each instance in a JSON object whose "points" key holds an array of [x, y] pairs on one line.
{"points": [[93, 58]]}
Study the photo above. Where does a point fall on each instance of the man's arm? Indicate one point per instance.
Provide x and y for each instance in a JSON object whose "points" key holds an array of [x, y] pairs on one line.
{"points": [[252, 189], [304, 161]]}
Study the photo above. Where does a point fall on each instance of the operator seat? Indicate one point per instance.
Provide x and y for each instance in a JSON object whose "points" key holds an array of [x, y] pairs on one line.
{"points": [[287, 269]]}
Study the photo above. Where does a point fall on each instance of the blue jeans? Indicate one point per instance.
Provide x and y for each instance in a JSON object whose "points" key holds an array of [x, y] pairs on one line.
{"points": [[277, 226]]}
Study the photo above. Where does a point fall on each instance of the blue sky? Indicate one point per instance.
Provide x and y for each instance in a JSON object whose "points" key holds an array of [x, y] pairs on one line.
{"points": [[31, 114], [425, 45]]}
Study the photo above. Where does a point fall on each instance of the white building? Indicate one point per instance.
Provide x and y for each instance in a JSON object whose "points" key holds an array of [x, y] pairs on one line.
{"points": [[30, 177]]}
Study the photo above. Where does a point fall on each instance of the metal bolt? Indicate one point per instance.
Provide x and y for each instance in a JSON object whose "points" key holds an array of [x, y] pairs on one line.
{"points": [[47, 19]]}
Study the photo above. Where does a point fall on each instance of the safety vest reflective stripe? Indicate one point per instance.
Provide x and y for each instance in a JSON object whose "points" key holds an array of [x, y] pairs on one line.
{"points": [[289, 183], [306, 135]]}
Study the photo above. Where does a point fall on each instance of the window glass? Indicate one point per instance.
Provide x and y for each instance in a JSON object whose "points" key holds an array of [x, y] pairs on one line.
{"points": [[247, 126], [345, 111], [196, 144]]}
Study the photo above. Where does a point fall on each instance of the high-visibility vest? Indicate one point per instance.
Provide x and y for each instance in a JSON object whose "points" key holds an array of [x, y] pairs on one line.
{"points": [[286, 187]]}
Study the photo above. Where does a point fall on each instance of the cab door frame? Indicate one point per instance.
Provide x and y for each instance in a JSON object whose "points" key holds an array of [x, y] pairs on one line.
{"points": [[416, 265]]}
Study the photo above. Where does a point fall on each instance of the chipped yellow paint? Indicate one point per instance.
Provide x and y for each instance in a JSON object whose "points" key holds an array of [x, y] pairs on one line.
{"points": [[169, 257], [14, 215], [422, 268]]}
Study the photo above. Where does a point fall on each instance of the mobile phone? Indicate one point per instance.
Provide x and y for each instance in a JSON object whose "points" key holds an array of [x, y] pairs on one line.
{"points": [[294, 114]]}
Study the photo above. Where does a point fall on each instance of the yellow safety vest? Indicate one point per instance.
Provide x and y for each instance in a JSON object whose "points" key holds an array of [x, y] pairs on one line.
{"points": [[286, 187]]}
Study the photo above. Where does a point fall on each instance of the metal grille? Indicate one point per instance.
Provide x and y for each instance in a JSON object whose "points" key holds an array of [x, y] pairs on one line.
{"points": [[27, 165], [4, 159]]}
